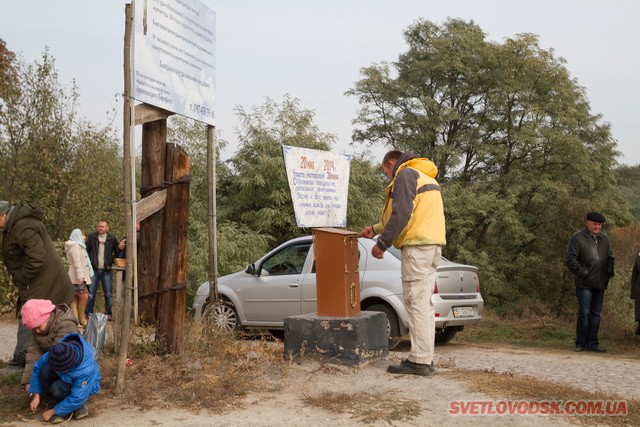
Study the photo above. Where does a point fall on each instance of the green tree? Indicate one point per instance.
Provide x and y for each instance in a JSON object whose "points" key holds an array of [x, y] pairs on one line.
{"points": [[367, 183], [78, 178], [628, 179], [520, 156], [70, 167], [257, 194], [8, 71], [92, 185], [234, 244]]}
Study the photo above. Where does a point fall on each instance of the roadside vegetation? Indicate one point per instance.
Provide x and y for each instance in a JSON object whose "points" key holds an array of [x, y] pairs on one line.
{"points": [[545, 332]]}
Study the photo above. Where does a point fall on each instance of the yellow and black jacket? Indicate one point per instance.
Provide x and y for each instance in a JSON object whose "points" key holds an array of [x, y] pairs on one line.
{"points": [[413, 213]]}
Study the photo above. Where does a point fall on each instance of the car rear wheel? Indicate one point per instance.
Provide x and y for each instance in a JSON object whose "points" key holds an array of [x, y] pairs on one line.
{"points": [[445, 335], [393, 327], [223, 316]]}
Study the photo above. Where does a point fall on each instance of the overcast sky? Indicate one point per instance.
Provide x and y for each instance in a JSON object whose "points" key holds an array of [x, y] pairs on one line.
{"points": [[314, 50]]}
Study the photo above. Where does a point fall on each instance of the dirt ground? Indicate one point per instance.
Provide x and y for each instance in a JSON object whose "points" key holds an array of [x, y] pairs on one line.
{"points": [[610, 373]]}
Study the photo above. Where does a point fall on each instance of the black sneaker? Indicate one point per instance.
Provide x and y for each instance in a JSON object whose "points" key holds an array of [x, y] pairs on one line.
{"points": [[56, 420], [578, 348], [81, 413], [409, 367], [597, 349]]}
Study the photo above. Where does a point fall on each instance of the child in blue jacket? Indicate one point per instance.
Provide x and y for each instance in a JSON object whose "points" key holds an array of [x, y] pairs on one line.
{"points": [[65, 376]]}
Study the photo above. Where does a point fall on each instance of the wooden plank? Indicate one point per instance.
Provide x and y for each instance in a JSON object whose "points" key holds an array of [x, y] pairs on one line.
{"points": [[212, 223], [150, 205], [154, 153], [144, 113], [172, 300]]}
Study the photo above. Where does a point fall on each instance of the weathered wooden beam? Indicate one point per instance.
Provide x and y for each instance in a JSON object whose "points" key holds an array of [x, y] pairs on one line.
{"points": [[122, 330], [150, 204], [172, 299], [154, 152], [145, 113], [212, 223]]}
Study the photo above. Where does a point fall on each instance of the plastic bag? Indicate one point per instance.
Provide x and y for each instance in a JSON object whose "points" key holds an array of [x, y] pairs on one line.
{"points": [[96, 331]]}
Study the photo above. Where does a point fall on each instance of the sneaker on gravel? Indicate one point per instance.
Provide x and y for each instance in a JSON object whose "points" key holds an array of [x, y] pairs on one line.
{"points": [[56, 420], [81, 413], [409, 367]]}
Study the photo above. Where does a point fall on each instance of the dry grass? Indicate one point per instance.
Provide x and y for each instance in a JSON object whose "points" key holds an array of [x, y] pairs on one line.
{"points": [[540, 331], [14, 402], [367, 407], [516, 387], [216, 371], [213, 371]]}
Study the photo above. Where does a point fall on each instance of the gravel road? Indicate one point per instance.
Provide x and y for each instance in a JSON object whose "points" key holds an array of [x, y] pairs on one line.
{"points": [[610, 372]]}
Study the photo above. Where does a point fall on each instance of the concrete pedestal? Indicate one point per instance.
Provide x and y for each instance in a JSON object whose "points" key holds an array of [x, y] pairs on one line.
{"points": [[348, 340]]}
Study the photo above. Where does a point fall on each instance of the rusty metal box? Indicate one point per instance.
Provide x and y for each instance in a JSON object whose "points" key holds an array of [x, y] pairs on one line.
{"points": [[337, 273]]}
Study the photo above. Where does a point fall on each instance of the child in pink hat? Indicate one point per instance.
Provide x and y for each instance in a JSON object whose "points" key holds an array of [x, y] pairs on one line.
{"points": [[49, 324]]}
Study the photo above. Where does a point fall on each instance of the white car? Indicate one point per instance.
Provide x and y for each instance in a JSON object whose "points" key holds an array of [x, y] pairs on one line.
{"points": [[283, 283]]}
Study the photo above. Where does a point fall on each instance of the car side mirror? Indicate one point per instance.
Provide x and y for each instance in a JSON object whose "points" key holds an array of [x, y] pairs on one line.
{"points": [[251, 269]]}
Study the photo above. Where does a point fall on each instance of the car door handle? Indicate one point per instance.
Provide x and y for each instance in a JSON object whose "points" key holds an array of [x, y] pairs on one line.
{"points": [[293, 285]]}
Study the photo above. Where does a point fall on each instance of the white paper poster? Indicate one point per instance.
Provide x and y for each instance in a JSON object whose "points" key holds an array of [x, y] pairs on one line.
{"points": [[319, 185], [174, 61]]}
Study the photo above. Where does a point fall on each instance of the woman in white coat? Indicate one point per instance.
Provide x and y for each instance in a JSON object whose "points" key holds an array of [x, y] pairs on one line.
{"points": [[80, 272]]}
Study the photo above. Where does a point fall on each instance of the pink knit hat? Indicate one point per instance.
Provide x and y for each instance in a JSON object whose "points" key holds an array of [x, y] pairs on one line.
{"points": [[35, 312]]}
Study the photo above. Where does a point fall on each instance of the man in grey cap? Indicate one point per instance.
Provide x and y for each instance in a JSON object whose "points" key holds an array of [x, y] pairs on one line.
{"points": [[34, 265], [590, 259]]}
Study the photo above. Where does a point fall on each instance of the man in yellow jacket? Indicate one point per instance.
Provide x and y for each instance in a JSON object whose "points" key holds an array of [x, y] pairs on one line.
{"points": [[413, 221]]}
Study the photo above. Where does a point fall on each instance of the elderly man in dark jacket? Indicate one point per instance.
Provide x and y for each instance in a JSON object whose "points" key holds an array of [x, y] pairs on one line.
{"points": [[33, 264], [590, 259]]}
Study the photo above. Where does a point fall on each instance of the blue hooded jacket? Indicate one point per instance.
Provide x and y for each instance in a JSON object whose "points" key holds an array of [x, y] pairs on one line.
{"points": [[84, 377]]}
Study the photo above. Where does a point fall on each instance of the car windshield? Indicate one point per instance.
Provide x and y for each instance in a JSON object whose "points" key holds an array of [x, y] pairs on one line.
{"points": [[289, 260]]}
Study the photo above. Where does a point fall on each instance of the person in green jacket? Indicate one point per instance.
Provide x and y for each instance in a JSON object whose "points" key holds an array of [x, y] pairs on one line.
{"points": [[34, 266]]}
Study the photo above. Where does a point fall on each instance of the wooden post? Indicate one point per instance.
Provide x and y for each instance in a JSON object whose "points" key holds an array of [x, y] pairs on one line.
{"points": [[128, 179], [154, 151], [212, 225], [173, 256], [118, 312]]}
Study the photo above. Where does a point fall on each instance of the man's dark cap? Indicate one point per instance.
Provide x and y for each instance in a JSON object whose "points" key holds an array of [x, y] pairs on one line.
{"points": [[595, 217]]}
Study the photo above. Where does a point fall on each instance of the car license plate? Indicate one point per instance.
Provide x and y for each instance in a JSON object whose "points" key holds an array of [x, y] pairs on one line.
{"points": [[463, 312]]}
